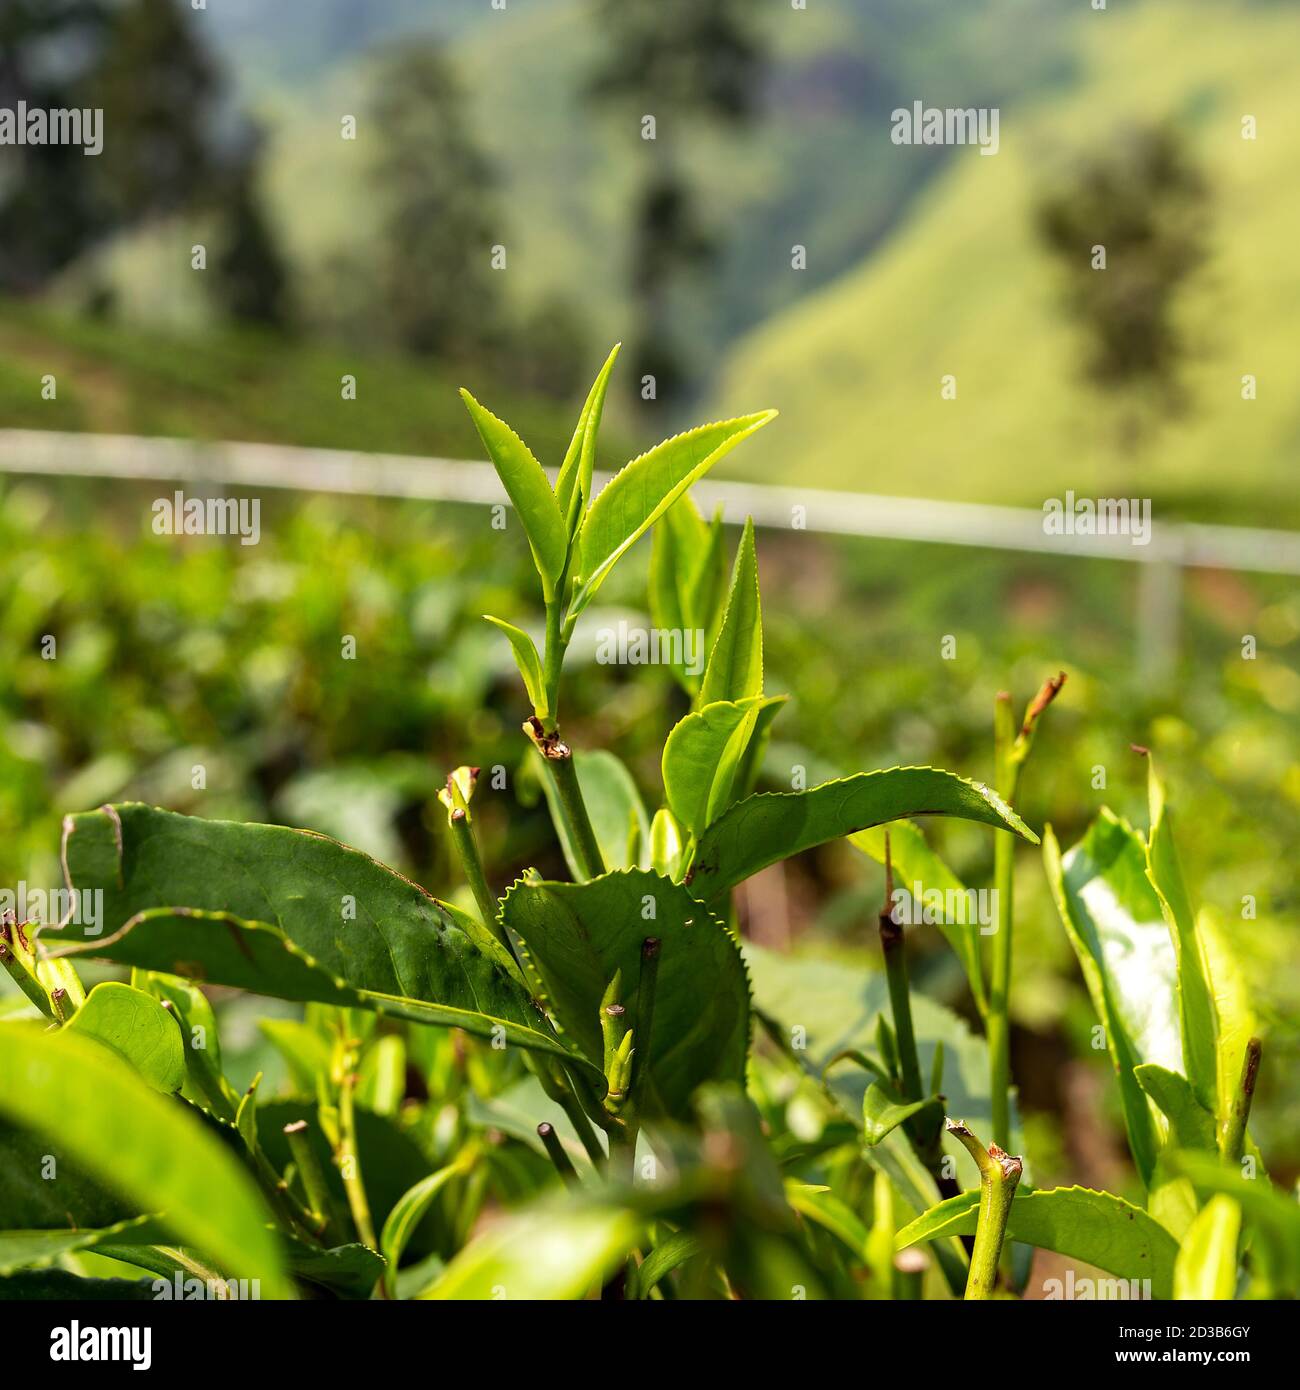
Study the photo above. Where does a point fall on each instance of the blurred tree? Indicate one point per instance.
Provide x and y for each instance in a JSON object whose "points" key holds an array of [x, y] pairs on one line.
{"points": [[678, 61], [250, 277], [1145, 205], [48, 209], [438, 221], [159, 89]]}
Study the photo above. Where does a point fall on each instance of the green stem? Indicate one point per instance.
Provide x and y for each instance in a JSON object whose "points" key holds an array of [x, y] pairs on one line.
{"points": [[999, 1174], [1010, 750], [1232, 1142], [311, 1173], [555, 1152], [349, 1160], [559, 760], [462, 836], [553, 663]]}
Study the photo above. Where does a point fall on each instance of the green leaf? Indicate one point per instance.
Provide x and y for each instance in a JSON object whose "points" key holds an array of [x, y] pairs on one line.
{"points": [[287, 913], [150, 1149], [701, 758], [772, 826], [671, 1253], [348, 1271], [306, 1051], [409, 1210], [573, 485], [1233, 1007], [914, 863], [41, 1249], [639, 494], [1274, 1216], [688, 575], [549, 1251], [614, 804], [735, 668], [882, 1113], [820, 1205], [1113, 919], [578, 935], [205, 1083], [1198, 1023], [525, 483], [58, 1286], [138, 1029], [1206, 1267], [1191, 1125], [666, 844], [529, 663], [1097, 1227]]}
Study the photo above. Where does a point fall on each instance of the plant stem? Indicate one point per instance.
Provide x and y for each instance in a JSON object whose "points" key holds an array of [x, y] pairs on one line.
{"points": [[462, 836], [999, 1174], [350, 1162], [1010, 749], [1232, 1142], [311, 1173], [894, 948], [558, 1089], [555, 1152], [553, 662], [558, 757]]}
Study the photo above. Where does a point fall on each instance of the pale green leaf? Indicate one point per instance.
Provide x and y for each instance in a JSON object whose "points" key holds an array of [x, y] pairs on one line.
{"points": [[526, 485], [735, 669], [639, 494], [528, 662], [138, 1029], [1206, 1267], [409, 1211], [701, 758], [573, 485]]}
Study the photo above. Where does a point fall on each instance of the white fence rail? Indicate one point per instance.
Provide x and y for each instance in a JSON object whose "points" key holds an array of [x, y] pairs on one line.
{"points": [[1173, 546]]}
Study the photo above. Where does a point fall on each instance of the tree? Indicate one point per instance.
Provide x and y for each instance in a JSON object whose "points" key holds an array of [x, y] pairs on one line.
{"points": [[1142, 205], [680, 61], [250, 274], [438, 223]]}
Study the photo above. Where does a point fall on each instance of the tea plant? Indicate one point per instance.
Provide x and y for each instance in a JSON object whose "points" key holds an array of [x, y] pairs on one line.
{"points": [[665, 1111]]}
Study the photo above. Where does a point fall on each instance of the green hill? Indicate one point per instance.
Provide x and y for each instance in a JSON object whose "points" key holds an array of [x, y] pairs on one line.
{"points": [[963, 288]]}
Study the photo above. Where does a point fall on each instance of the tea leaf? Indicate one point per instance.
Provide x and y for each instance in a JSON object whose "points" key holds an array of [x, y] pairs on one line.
{"points": [[553, 1251], [525, 483], [882, 1113], [205, 1083], [1191, 1125], [688, 577], [639, 494], [578, 935], [138, 1029], [1114, 921], [528, 662], [701, 758], [409, 1211], [1097, 1227], [671, 1253], [1206, 1267], [1198, 1023], [772, 826], [41, 1249], [573, 485], [292, 914], [735, 668], [150, 1149]]}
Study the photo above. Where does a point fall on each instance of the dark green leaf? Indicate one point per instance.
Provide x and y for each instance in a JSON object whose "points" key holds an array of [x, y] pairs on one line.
{"points": [[578, 935]]}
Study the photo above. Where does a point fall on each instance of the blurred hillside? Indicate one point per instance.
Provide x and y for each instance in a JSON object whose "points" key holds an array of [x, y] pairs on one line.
{"points": [[964, 288]]}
